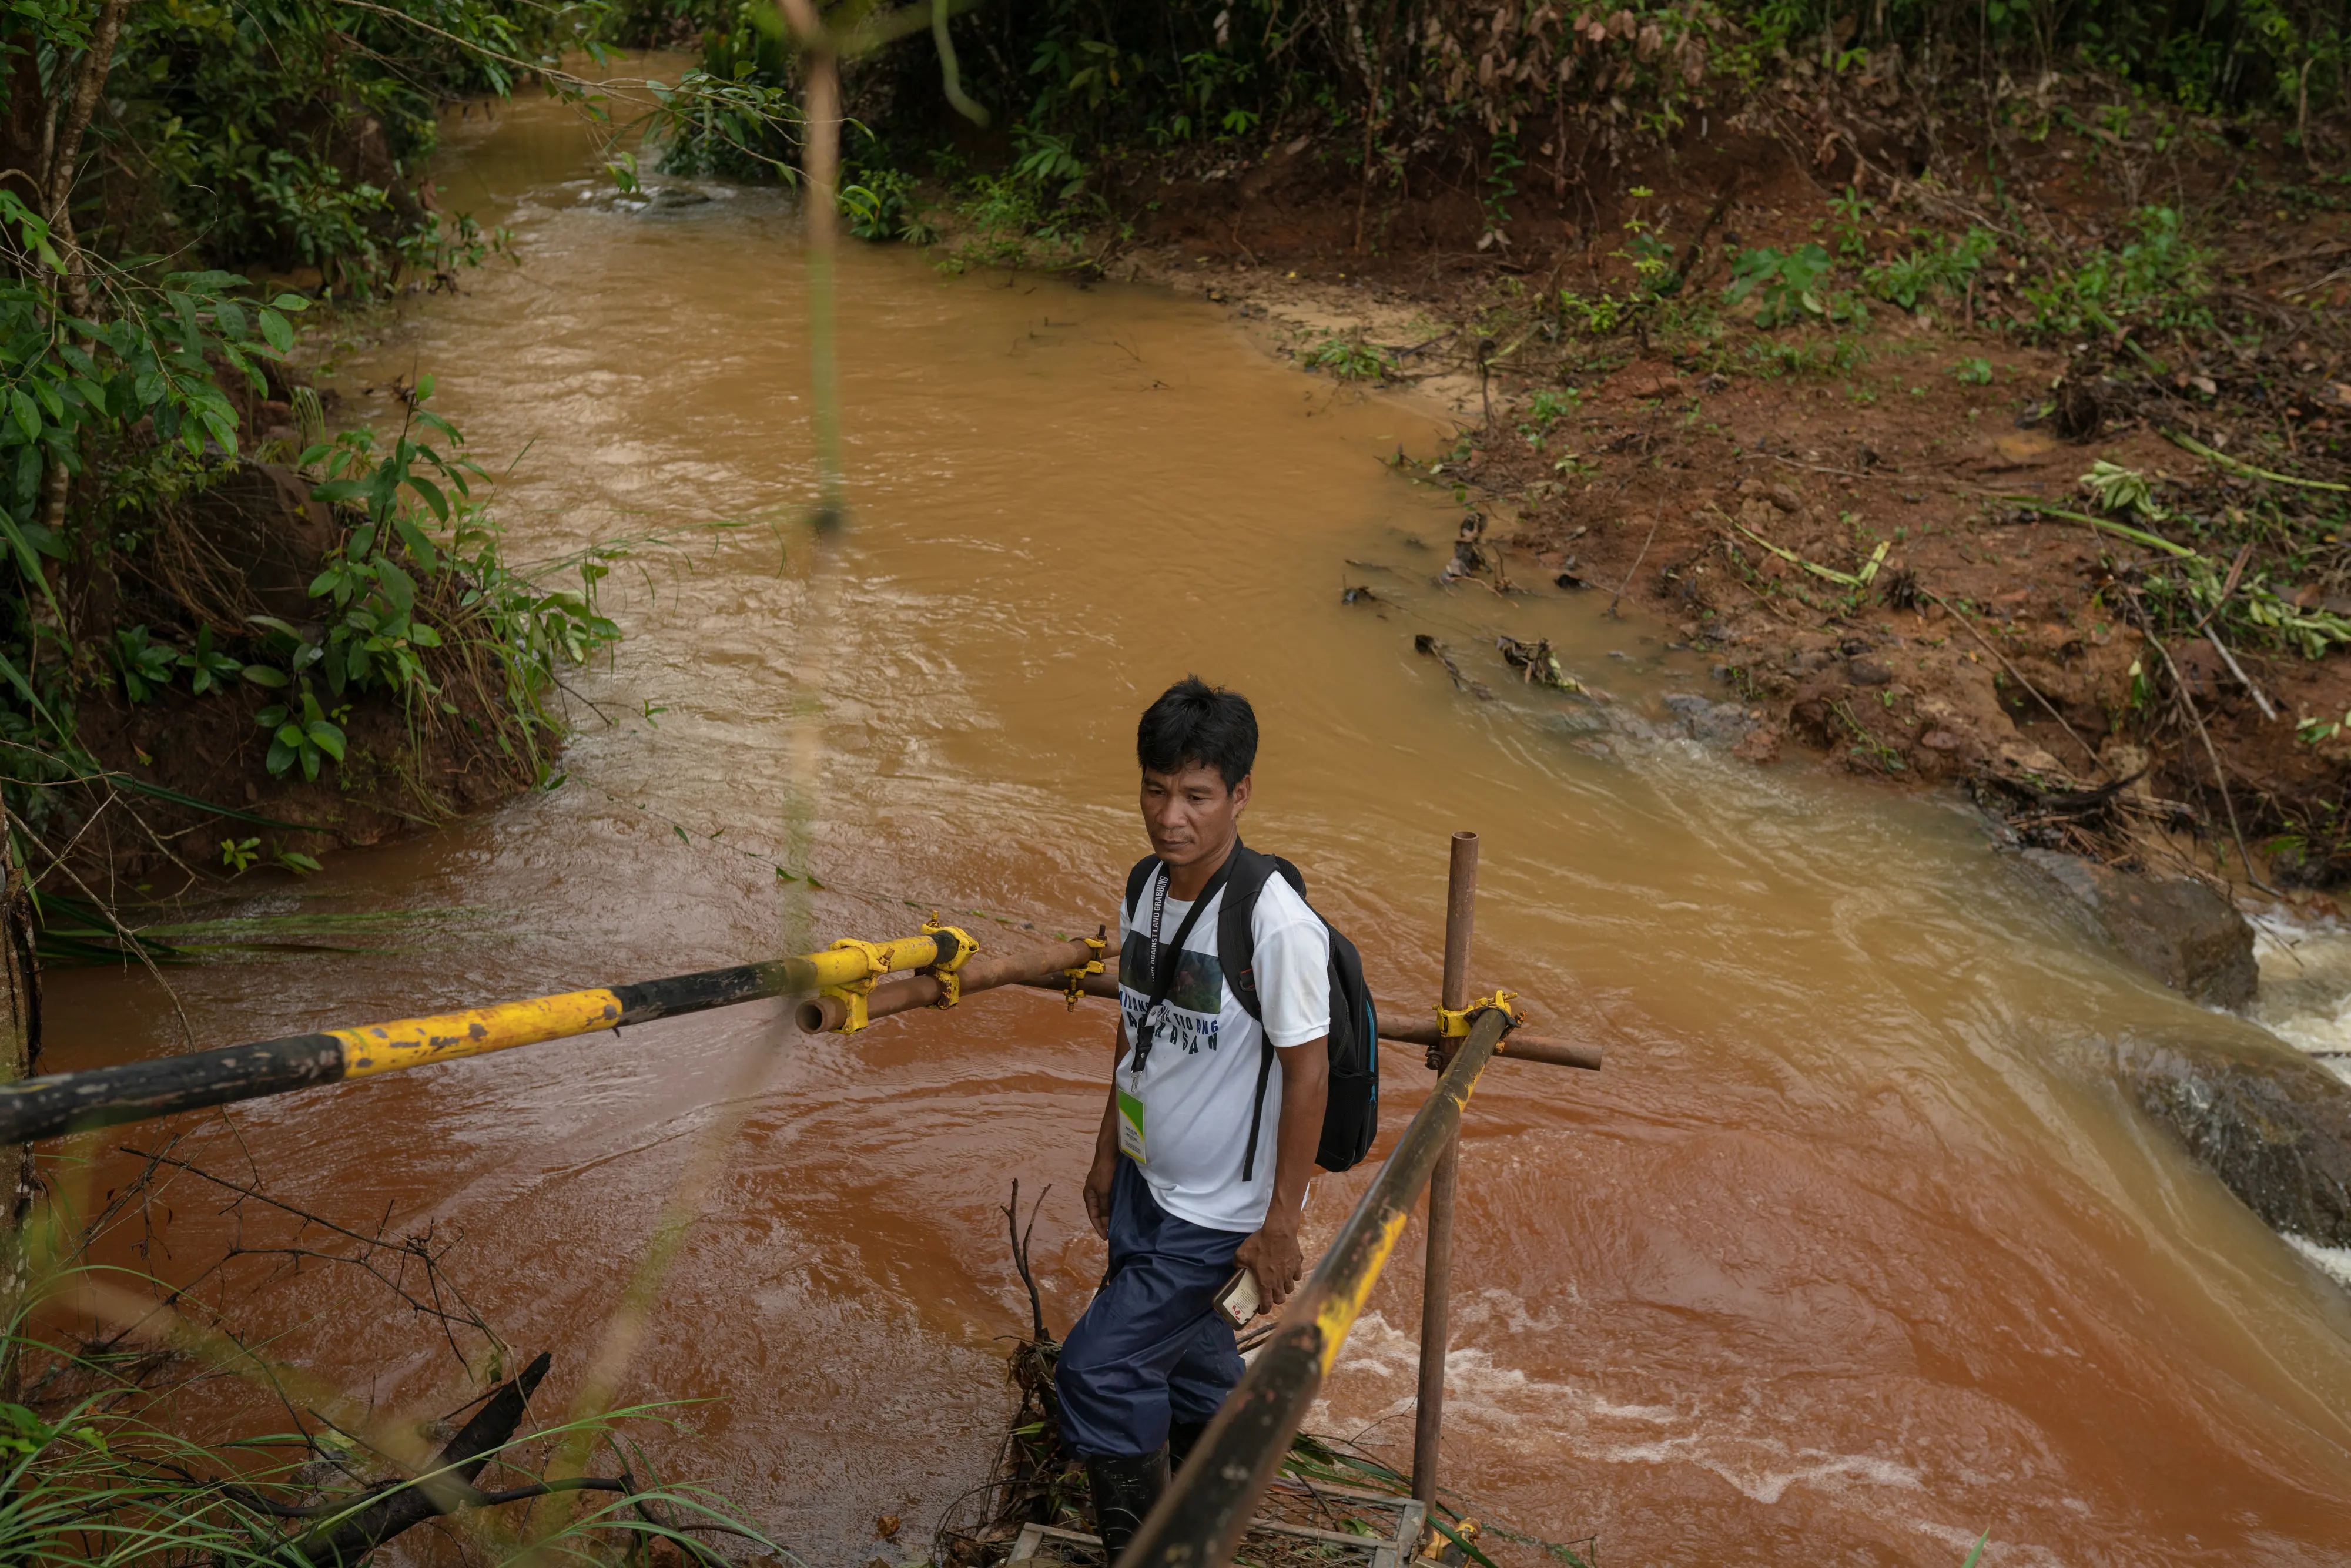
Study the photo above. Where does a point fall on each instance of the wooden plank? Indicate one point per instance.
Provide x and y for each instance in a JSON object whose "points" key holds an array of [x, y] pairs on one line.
{"points": [[1384, 1551], [1308, 1532]]}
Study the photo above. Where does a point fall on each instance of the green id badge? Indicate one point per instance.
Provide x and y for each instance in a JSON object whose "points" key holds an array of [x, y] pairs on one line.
{"points": [[1129, 1126]]}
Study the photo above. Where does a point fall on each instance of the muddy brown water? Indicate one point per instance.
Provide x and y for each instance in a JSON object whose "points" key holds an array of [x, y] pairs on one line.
{"points": [[1851, 1254]]}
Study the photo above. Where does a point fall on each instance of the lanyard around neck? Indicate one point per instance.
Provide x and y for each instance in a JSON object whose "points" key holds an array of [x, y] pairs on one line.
{"points": [[1165, 965]]}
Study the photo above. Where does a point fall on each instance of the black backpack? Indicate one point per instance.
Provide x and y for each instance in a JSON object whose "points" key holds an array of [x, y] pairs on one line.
{"points": [[1351, 1115]]}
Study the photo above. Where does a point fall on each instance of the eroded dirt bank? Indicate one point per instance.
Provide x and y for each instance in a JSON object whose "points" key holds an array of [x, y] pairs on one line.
{"points": [[1863, 487]]}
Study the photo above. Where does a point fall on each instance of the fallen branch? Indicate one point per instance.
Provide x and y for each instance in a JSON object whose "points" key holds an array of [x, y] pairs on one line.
{"points": [[2220, 775], [447, 1485], [2137, 535], [2018, 675], [1435, 650], [2061, 803], [2259, 699], [2190, 444], [1861, 578], [1021, 1255], [1618, 596]]}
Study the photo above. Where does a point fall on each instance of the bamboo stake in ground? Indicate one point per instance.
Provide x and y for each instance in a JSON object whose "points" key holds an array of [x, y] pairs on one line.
{"points": [[820, 213], [1437, 1283]]}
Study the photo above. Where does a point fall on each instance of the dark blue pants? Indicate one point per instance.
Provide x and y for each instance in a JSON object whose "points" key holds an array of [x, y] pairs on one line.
{"points": [[1151, 1348]]}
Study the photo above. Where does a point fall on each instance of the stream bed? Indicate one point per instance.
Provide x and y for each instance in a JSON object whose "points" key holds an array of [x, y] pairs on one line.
{"points": [[1852, 1252]]}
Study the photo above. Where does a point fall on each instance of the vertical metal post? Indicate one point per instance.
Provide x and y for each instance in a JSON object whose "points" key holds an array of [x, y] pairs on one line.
{"points": [[1461, 920]]}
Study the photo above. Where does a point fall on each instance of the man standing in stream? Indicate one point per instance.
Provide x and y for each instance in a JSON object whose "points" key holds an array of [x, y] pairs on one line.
{"points": [[1180, 1185]]}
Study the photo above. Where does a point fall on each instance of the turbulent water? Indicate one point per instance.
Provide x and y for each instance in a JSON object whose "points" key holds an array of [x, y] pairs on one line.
{"points": [[1852, 1252]]}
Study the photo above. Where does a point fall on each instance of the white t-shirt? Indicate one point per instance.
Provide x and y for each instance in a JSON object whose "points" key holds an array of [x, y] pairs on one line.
{"points": [[1198, 1084]]}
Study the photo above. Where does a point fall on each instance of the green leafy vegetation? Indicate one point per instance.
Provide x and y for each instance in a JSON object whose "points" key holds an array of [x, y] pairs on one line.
{"points": [[1348, 358], [179, 152], [1935, 269], [287, 134], [2265, 572], [1373, 88], [1543, 410], [1791, 286], [2159, 277]]}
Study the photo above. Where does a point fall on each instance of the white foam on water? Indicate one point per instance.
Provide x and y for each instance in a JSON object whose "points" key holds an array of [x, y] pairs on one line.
{"points": [[1747, 1464], [2334, 1261], [1484, 1391], [2306, 981], [2305, 986]]}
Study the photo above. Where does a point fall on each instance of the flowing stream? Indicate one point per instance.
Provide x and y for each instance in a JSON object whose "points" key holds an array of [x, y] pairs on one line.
{"points": [[1852, 1252]]}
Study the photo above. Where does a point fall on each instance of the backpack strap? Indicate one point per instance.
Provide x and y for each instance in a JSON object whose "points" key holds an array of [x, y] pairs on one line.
{"points": [[1256, 1107], [1136, 881], [1237, 956], [1235, 920]]}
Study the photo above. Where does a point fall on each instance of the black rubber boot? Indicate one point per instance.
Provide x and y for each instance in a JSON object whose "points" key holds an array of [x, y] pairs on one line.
{"points": [[1125, 1488], [1181, 1436]]}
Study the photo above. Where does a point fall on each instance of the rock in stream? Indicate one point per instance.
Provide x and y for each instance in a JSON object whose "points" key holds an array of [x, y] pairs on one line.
{"points": [[2181, 931], [2274, 1126]]}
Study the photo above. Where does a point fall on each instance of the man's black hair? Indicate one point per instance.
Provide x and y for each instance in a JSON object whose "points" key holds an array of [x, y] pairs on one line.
{"points": [[1194, 721]]}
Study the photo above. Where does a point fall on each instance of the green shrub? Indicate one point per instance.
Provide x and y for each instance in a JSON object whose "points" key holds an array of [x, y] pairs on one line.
{"points": [[1347, 359], [2161, 277], [1791, 286], [1935, 270]]}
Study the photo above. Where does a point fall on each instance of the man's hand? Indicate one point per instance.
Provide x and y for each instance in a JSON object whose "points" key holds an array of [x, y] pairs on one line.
{"points": [[1272, 1253], [1273, 1257], [1098, 1185]]}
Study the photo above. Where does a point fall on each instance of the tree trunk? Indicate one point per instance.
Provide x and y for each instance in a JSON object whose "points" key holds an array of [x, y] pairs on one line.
{"points": [[65, 164]]}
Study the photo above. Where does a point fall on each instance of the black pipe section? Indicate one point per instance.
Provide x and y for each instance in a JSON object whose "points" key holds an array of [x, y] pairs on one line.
{"points": [[108, 1096], [67, 1103]]}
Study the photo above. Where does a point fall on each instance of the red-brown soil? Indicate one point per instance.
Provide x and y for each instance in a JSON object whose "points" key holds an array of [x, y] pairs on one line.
{"points": [[1993, 644], [248, 544]]}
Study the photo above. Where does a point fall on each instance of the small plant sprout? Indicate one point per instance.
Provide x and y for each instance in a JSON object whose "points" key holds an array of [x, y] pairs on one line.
{"points": [[1347, 359], [1975, 372], [1545, 409], [303, 735], [1852, 211], [2312, 731], [1787, 287], [238, 854], [2115, 488], [1651, 257]]}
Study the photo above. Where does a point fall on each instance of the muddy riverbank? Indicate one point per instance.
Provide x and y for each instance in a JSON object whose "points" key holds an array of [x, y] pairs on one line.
{"points": [[1871, 509]]}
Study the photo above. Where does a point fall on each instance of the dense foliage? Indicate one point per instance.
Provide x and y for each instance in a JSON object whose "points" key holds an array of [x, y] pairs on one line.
{"points": [[288, 133], [154, 155], [1401, 74]]}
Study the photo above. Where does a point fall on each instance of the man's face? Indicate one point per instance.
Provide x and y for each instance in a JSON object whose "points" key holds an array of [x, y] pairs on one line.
{"points": [[1189, 815]]}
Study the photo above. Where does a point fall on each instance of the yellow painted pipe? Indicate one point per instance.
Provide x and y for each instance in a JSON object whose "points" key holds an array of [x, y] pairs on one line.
{"points": [[135, 1091]]}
